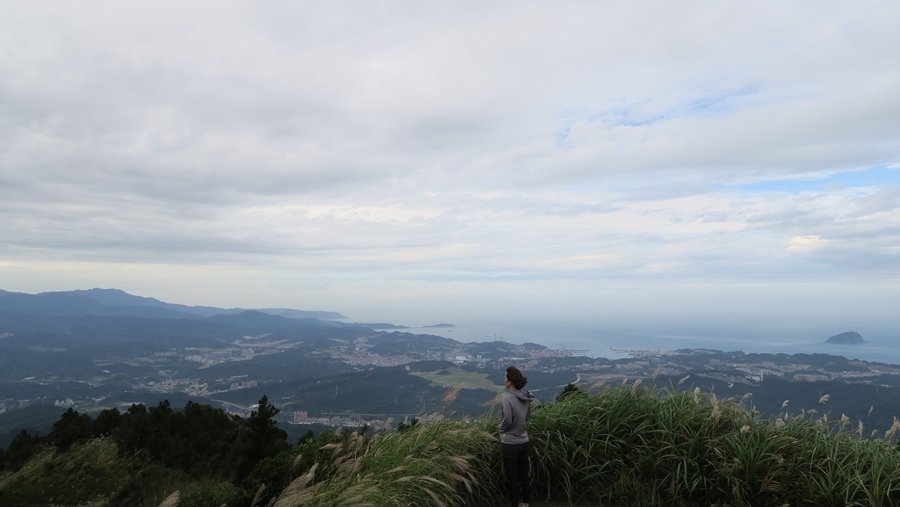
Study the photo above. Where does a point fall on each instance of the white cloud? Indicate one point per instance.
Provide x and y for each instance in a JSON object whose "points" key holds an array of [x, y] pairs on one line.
{"points": [[805, 243], [348, 147]]}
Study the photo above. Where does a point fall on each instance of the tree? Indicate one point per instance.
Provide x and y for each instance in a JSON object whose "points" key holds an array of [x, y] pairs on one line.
{"points": [[70, 428], [19, 451], [260, 438], [262, 419], [134, 428], [569, 390], [106, 422], [404, 426]]}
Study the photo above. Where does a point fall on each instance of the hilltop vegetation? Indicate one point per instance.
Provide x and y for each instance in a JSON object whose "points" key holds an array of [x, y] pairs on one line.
{"points": [[131, 458], [625, 445]]}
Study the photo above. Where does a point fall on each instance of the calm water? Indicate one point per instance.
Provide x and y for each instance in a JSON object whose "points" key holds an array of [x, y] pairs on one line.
{"points": [[615, 343]]}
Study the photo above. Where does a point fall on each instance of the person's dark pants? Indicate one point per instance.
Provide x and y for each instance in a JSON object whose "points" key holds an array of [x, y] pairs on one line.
{"points": [[515, 463]]}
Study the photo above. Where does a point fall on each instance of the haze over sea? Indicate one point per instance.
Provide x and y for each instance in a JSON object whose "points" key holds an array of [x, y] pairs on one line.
{"points": [[598, 341]]}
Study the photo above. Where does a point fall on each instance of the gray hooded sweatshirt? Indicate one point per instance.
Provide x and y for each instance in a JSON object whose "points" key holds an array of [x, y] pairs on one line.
{"points": [[516, 406]]}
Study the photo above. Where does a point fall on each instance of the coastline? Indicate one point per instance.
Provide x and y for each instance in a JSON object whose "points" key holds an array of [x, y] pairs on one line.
{"points": [[613, 344]]}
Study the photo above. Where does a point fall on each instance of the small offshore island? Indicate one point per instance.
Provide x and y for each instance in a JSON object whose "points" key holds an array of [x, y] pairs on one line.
{"points": [[846, 338]]}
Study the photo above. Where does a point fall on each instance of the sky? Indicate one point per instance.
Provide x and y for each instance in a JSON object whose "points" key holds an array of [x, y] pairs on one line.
{"points": [[632, 164]]}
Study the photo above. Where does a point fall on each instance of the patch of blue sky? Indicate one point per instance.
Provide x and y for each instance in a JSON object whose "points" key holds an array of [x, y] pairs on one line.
{"points": [[716, 103], [563, 133], [622, 117], [639, 113], [881, 176]]}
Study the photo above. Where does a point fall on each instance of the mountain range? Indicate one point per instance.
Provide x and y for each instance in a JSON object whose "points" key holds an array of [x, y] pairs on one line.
{"points": [[118, 303], [104, 348]]}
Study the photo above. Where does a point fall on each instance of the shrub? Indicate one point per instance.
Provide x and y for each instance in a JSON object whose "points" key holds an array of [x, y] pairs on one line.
{"points": [[211, 494]]}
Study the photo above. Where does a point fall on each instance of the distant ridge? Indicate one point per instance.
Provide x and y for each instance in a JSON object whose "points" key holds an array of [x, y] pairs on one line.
{"points": [[118, 303]]}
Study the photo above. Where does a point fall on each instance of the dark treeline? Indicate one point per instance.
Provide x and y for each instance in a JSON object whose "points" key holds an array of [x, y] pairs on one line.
{"points": [[199, 442]]}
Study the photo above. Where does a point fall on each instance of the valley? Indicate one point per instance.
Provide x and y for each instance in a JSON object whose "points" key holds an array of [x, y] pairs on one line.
{"points": [[333, 373]]}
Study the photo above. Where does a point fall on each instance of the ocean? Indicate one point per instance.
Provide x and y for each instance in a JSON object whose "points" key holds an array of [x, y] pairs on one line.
{"points": [[596, 341]]}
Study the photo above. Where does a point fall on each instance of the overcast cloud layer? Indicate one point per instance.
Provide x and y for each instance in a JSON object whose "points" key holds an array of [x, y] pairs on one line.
{"points": [[412, 160]]}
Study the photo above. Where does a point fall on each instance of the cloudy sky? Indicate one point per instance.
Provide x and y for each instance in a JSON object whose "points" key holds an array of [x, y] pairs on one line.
{"points": [[719, 162]]}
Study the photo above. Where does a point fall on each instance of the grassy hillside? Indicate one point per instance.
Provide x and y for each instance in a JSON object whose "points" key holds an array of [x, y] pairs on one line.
{"points": [[625, 446]]}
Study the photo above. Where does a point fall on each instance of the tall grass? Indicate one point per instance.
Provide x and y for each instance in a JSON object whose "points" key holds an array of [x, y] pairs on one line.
{"points": [[442, 463], [623, 446], [90, 473]]}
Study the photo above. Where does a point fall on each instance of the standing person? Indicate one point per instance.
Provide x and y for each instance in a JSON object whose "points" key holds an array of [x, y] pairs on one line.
{"points": [[514, 446]]}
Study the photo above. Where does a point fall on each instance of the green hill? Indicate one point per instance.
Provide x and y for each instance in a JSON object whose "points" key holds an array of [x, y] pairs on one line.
{"points": [[627, 445]]}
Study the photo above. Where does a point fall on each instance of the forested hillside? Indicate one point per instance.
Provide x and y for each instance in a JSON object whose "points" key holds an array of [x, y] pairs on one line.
{"points": [[138, 455]]}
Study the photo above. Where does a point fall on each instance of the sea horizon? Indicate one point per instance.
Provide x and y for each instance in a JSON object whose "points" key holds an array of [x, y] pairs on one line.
{"points": [[596, 341]]}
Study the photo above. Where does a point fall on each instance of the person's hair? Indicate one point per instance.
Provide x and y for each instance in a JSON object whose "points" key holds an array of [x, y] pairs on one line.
{"points": [[515, 376]]}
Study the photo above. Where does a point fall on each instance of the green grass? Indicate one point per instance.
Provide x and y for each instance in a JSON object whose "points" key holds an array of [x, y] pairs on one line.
{"points": [[93, 473], [90, 473], [623, 446], [430, 464]]}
